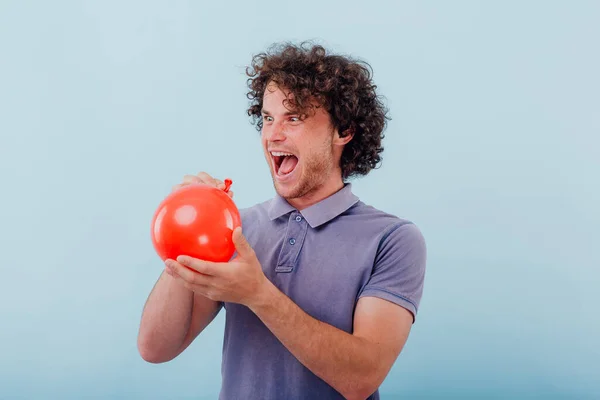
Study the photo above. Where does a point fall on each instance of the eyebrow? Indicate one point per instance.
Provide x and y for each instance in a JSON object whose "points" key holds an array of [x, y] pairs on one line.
{"points": [[266, 112]]}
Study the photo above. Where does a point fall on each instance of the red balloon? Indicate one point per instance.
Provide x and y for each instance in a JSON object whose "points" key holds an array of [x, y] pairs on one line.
{"points": [[196, 220]]}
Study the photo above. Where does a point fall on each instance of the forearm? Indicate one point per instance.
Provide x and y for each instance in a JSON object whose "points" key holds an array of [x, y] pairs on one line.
{"points": [[165, 320], [346, 362]]}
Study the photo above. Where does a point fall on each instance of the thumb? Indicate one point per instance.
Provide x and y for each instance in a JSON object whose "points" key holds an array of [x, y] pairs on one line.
{"points": [[242, 246]]}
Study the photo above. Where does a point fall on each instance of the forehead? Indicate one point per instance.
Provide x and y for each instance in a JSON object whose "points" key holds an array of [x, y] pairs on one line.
{"points": [[279, 100], [274, 99]]}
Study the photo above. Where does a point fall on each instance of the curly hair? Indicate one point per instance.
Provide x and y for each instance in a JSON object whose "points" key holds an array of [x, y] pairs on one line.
{"points": [[340, 84]]}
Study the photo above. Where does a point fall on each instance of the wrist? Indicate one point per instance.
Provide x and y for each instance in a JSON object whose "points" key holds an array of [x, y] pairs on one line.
{"points": [[263, 296]]}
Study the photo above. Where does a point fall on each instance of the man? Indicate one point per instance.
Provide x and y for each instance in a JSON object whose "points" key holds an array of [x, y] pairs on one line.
{"points": [[323, 289]]}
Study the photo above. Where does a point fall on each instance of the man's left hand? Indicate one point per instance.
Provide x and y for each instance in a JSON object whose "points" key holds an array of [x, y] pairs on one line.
{"points": [[237, 281]]}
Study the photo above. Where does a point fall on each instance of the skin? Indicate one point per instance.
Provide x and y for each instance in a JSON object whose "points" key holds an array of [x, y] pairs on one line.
{"points": [[173, 315], [185, 299], [313, 140]]}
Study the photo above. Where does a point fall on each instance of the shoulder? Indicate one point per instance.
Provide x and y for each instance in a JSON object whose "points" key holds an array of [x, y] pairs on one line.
{"points": [[406, 240], [255, 220], [389, 228], [400, 260], [255, 213], [391, 238]]}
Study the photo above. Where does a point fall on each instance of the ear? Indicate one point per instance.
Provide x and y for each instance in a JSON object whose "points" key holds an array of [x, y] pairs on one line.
{"points": [[342, 140]]}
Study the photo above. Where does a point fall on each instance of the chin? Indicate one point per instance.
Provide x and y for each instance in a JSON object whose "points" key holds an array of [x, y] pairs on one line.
{"points": [[287, 190], [299, 189]]}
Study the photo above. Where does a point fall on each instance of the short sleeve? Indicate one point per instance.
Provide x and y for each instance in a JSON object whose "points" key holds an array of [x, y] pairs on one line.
{"points": [[399, 271]]}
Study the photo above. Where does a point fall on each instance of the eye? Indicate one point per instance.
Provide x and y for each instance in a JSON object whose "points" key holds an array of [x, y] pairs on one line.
{"points": [[267, 118]]}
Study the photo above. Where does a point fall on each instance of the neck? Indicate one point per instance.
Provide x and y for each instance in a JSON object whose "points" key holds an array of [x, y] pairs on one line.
{"points": [[318, 193]]}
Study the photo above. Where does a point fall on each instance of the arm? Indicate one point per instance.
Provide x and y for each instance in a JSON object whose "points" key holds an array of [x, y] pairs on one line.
{"points": [[354, 364], [173, 317]]}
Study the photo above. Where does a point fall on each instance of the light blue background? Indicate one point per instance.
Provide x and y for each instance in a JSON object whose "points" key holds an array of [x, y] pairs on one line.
{"points": [[493, 151]]}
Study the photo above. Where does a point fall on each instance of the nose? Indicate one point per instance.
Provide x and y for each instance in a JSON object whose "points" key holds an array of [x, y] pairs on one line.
{"points": [[275, 132]]}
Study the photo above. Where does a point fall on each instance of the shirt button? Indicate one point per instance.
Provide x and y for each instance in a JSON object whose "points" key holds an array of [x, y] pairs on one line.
{"points": [[292, 241], [298, 218]]}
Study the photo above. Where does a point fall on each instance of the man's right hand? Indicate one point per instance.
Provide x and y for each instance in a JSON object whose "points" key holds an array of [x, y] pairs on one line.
{"points": [[172, 318], [202, 177]]}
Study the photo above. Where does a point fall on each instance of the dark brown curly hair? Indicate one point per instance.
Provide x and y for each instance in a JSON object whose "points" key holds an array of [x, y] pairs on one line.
{"points": [[340, 84]]}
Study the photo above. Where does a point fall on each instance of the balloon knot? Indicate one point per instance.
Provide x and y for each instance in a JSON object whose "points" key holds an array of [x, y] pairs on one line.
{"points": [[228, 183]]}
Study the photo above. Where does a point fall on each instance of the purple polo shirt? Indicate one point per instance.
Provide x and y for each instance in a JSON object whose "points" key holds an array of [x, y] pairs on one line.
{"points": [[324, 258]]}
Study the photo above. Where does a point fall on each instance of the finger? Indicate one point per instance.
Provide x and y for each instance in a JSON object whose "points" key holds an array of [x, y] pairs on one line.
{"points": [[194, 285], [188, 179], [177, 187], [200, 266], [206, 178], [203, 290], [169, 271], [219, 183], [242, 246], [186, 274]]}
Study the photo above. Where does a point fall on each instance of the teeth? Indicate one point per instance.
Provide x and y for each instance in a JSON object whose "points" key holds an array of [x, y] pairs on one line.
{"points": [[280, 154]]}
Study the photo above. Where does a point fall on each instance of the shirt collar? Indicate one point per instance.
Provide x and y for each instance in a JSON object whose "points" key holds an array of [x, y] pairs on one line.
{"points": [[319, 213]]}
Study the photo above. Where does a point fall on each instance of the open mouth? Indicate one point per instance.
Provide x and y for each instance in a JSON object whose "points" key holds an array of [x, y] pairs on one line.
{"points": [[284, 163]]}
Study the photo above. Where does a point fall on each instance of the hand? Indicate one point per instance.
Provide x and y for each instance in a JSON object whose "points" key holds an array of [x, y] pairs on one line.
{"points": [[241, 280], [202, 177]]}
